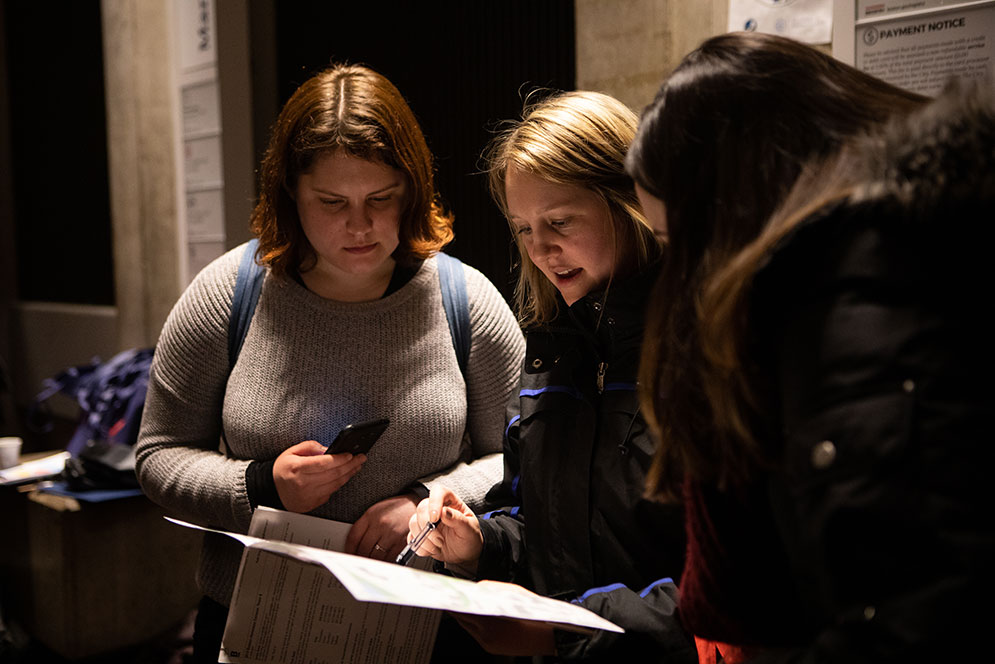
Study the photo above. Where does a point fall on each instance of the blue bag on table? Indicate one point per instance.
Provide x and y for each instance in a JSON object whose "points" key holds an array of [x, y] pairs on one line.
{"points": [[111, 396]]}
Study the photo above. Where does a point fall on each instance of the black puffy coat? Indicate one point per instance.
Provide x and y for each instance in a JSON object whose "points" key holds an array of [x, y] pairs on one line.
{"points": [[577, 526], [871, 540]]}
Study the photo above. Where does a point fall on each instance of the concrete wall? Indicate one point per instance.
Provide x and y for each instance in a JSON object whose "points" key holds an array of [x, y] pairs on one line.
{"points": [[141, 136], [626, 48]]}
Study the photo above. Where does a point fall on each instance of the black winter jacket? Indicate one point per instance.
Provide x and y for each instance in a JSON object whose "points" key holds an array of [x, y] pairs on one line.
{"points": [[872, 323], [576, 525]]}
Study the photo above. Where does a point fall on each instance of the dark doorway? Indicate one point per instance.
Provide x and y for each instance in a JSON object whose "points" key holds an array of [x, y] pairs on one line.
{"points": [[463, 67], [58, 149]]}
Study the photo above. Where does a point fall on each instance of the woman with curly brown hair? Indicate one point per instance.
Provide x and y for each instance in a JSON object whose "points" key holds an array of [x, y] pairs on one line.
{"points": [[350, 326]]}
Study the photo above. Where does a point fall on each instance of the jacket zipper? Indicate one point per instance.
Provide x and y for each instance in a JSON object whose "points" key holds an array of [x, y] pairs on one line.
{"points": [[601, 376]]}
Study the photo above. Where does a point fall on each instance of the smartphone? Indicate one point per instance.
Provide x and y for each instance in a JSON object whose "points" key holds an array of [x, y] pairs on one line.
{"points": [[358, 438]]}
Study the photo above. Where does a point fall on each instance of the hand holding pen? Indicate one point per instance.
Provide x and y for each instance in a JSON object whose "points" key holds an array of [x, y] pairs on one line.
{"points": [[444, 528], [409, 551]]}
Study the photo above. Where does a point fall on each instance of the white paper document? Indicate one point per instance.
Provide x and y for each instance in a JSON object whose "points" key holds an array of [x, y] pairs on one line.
{"points": [[285, 609], [288, 608], [37, 469], [809, 21]]}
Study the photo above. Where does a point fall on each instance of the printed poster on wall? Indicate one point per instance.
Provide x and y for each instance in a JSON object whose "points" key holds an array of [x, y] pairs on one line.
{"points": [[195, 19], [920, 52], [917, 44], [205, 214], [202, 162], [809, 21], [200, 105], [878, 8]]}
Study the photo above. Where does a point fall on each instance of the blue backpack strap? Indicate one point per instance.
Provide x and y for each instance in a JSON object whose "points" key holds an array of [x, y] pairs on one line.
{"points": [[457, 306], [243, 302]]}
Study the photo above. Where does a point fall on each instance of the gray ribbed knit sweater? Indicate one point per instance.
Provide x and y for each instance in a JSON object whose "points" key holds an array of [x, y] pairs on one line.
{"points": [[308, 367]]}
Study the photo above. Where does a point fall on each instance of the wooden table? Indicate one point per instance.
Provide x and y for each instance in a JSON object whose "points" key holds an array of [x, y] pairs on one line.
{"points": [[88, 578]]}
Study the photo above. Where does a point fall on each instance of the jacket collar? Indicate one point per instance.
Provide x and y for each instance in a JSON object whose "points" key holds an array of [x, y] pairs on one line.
{"points": [[622, 304]]}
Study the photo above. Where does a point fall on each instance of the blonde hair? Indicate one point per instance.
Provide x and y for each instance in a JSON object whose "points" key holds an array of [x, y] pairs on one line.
{"points": [[574, 138]]}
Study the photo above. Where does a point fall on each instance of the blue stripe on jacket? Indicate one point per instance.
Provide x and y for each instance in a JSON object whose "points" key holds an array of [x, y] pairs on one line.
{"points": [[648, 589], [616, 586], [572, 391], [511, 424], [512, 512], [564, 389]]}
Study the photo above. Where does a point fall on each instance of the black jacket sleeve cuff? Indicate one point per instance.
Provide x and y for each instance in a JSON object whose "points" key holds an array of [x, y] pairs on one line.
{"points": [[419, 490], [261, 486]]}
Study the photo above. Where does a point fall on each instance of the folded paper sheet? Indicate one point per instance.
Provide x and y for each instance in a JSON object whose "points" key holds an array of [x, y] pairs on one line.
{"points": [[282, 611]]}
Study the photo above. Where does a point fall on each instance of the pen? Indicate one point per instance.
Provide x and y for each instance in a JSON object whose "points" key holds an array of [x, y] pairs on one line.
{"points": [[409, 551]]}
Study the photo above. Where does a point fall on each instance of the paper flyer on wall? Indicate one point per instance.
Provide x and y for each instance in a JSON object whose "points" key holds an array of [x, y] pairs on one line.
{"points": [[922, 50], [288, 608], [809, 21]]}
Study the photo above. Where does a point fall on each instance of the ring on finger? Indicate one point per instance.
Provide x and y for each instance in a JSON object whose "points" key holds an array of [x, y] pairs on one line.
{"points": [[377, 547]]}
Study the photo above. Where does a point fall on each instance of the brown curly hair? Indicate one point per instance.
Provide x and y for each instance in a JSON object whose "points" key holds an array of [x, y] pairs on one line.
{"points": [[351, 108]]}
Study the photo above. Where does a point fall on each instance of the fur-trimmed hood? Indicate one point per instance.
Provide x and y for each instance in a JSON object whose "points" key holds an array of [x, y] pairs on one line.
{"points": [[942, 154], [926, 179], [921, 214]]}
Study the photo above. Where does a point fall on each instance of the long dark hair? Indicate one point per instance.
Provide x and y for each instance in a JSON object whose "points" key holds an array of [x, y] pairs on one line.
{"points": [[920, 163], [351, 108], [721, 145]]}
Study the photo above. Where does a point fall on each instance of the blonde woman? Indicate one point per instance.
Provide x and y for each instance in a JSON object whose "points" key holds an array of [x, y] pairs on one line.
{"points": [[577, 450]]}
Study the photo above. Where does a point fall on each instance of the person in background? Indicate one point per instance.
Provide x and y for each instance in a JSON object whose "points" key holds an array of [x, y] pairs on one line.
{"points": [[817, 361], [576, 524], [349, 327]]}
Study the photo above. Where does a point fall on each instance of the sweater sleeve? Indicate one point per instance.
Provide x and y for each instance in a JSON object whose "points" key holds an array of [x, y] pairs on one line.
{"points": [[496, 351], [178, 458]]}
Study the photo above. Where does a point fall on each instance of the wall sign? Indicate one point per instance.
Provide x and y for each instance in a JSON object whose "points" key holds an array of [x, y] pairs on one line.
{"points": [[809, 21], [917, 44], [202, 227]]}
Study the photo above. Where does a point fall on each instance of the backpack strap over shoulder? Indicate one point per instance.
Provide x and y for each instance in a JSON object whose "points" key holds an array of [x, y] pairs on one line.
{"points": [[248, 284], [452, 280]]}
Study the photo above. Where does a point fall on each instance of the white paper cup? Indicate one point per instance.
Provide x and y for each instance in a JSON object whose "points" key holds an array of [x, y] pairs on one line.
{"points": [[10, 452]]}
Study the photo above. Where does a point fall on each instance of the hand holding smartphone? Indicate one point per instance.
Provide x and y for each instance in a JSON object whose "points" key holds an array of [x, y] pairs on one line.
{"points": [[358, 438]]}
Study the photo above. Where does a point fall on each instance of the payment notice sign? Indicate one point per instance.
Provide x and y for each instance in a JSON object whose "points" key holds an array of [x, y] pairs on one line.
{"points": [[920, 44]]}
